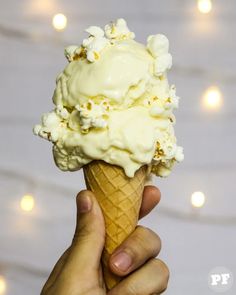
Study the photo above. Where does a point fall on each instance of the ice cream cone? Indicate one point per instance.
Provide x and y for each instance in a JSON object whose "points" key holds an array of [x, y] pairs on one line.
{"points": [[120, 199]]}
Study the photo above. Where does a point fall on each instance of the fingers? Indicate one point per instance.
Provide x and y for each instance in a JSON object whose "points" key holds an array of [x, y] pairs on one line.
{"points": [[151, 197], [88, 241], [56, 271], [152, 278], [140, 246]]}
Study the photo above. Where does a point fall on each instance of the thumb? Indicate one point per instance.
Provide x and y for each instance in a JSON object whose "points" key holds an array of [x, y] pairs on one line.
{"points": [[88, 241]]}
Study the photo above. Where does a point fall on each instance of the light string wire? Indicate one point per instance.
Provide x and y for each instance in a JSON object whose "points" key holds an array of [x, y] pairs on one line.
{"points": [[58, 40]]}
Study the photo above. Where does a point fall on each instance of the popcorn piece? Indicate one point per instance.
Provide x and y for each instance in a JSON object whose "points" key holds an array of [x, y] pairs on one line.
{"points": [[118, 30], [73, 52], [156, 111], [95, 31], [173, 97], [163, 168], [166, 148], [179, 155], [92, 115], [52, 126], [62, 112], [70, 52], [162, 64], [94, 43], [158, 45]]}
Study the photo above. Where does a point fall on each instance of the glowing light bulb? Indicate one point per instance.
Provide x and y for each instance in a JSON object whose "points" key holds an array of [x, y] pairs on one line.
{"points": [[212, 98], [27, 203], [3, 285], [198, 199], [59, 22], [204, 6]]}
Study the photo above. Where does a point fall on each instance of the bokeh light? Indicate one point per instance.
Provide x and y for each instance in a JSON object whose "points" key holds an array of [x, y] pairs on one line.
{"points": [[59, 22], [198, 199], [212, 98], [41, 7], [27, 203], [205, 6], [3, 285]]}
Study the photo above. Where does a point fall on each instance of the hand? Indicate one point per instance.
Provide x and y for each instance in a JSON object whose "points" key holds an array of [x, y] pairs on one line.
{"points": [[78, 271]]}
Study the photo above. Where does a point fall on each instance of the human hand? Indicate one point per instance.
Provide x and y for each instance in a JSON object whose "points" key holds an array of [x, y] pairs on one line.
{"points": [[78, 271]]}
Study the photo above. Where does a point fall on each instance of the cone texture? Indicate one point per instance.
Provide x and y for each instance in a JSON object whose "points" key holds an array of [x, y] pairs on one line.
{"points": [[120, 199]]}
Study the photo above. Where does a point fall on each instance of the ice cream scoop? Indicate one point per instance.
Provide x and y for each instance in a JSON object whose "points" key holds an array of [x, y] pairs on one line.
{"points": [[113, 116], [113, 102]]}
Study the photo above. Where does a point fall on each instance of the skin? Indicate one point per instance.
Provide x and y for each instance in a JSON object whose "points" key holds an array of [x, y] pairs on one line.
{"points": [[78, 271]]}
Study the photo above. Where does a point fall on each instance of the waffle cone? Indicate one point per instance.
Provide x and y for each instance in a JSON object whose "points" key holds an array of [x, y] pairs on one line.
{"points": [[120, 199]]}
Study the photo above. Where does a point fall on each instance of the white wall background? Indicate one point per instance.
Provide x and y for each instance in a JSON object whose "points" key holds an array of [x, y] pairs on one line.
{"points": [[31, 55]]}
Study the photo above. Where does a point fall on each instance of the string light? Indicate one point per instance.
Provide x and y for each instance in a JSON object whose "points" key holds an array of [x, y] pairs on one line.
{"points": [[27, 203], [205, 6], [212, 98], [3, 285], [198, 199], [59, 22]]}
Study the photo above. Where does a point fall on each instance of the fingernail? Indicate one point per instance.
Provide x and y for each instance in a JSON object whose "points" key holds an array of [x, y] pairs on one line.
{"points": [[84, 203], [122, 261]]}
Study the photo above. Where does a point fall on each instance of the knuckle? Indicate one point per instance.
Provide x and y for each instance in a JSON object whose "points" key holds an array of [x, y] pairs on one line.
{"points": [[131, 289], [148, 240], [163, 268]]}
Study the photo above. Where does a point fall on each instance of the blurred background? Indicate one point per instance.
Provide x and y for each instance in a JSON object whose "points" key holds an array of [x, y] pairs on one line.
{"points": [[196, 218]]}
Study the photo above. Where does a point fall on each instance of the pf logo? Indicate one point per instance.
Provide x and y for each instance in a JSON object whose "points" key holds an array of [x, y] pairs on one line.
{"points": [[220, 279]]}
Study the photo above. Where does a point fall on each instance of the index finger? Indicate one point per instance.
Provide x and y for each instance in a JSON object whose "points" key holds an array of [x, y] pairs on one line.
{"points": [[151, 197]]}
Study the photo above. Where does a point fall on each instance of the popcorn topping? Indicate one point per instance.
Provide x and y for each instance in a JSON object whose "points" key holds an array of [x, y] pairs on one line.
{"points": [[113, 102], [92, 115], [95, 43], [118, 30], [158, 46]]}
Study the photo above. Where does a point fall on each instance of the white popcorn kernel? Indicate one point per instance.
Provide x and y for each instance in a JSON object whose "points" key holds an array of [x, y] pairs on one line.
{"points": [[70, 52], [118, 30], [156, 111], [92, 115], [95, 31], [162, 64], [93, 46], [50, 120], [37, 129], [54, 135], [179, 155], [173, 97], [88, 41], [162, 170], [158, 45], [91, 56], [62, 112]]}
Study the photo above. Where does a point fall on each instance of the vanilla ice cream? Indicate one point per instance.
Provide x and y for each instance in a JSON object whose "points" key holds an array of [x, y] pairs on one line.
{"points": [[113, 103]]}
